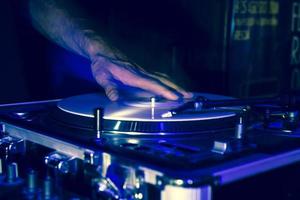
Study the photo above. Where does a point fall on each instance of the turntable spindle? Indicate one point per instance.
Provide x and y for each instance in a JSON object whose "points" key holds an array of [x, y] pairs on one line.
{"points": [[99, 122], [152, 103]]}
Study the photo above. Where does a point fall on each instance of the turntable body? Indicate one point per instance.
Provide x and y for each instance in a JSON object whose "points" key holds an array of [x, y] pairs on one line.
{"points": [[139, 154]]}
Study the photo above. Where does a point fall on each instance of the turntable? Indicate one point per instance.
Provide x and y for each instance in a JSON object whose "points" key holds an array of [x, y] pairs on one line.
{"points": [[146, 147], [144, 116]]}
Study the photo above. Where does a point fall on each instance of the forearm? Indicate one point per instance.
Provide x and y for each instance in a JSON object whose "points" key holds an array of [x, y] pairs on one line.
{"points": [[111, 69], [73, 31]]}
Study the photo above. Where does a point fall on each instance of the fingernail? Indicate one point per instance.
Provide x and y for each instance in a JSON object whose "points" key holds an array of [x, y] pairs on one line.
{"points": [[188, 95], [171, 96]]}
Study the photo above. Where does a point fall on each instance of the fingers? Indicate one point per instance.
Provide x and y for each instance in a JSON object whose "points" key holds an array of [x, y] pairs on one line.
{"points": [[109, 86], [164, 79], [109, 78], [150, 84], [111, 92], [110, 75], [156, 88]]}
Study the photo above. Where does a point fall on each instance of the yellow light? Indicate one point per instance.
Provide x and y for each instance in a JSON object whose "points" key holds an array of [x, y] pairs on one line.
{"points": [[179, 182], [132, 141]]}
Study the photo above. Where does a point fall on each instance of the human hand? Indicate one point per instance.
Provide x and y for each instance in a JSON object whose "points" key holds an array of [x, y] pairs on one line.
{"points": [[113, 75]]}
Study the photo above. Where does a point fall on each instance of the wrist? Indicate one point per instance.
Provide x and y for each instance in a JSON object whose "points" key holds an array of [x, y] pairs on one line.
{"points": [[93, 44], [96, 47]]}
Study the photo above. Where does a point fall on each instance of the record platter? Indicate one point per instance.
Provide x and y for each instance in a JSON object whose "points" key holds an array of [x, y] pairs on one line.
{"points": [[143, 117], [87, 147]]}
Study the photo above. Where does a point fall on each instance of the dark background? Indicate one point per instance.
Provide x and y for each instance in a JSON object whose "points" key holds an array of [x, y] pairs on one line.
{"points": [[187, 39]]}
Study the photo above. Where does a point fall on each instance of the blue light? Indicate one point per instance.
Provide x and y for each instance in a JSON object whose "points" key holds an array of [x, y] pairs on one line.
{"points": [[67, 67], [161, 126]]}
